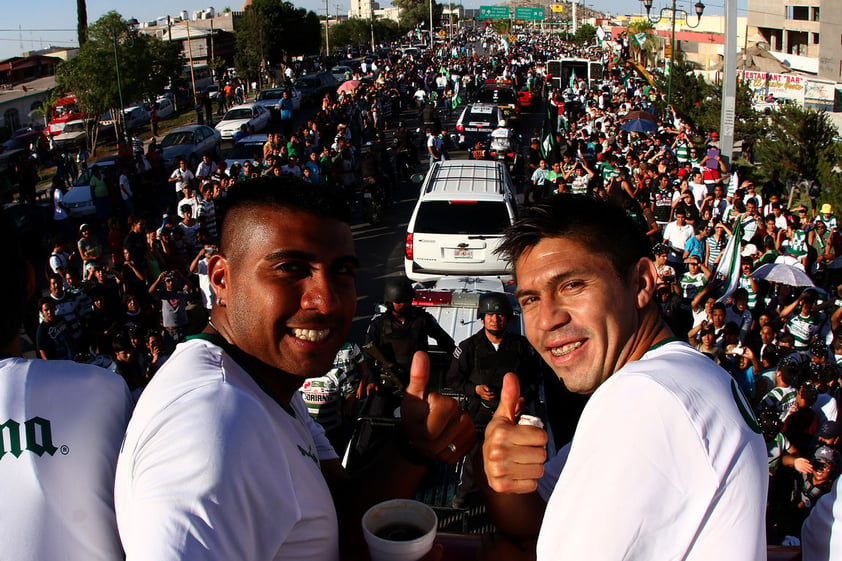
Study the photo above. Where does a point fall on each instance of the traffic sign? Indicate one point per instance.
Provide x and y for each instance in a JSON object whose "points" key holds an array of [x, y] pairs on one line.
{"points": [[557, 8], [529, 14], [493, 12], [442, 33], [512, 39]]}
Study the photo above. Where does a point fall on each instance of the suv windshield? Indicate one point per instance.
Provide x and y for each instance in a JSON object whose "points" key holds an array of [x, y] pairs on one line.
{"points": [[449, 217]]}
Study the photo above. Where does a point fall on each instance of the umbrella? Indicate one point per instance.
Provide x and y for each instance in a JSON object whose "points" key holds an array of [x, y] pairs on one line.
{"points": [[639, 125], [348, 86], [782, 273], [639, 115]]}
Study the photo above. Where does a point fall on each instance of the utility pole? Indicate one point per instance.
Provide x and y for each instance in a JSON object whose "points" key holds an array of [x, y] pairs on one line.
{"points": [[190, 55], [729, 85], [431, 24], [574, 2], [327, 30]]}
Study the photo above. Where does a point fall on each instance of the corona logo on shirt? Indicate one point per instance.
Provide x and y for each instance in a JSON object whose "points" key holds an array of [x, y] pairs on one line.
{"points": [[36, 436]]}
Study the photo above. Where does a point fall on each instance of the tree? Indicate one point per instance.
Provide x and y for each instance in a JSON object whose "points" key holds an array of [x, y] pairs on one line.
{"points": [[147, 65], [644, 52], [271, 32], [81, 21], [584, 34], [800, 144], [355, 31], [417, 12]]}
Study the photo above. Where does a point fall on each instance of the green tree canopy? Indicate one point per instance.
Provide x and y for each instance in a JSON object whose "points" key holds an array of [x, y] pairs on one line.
{"points": [[271, 32], [417, 12], [584, 34], [644, 52], [356, 31], [800, 144], [146, 66]]}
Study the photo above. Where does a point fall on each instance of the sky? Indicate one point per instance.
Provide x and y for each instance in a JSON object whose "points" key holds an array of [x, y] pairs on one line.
{"points": [[37, 24]]}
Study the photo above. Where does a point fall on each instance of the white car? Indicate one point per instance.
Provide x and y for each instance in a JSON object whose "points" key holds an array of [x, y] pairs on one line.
{"points": [[78, 197], [458, 222], [164, 107], [72, 135], [252, 115]]}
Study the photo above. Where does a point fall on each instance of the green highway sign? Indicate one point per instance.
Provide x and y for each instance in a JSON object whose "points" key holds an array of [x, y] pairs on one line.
{"points": [[493, 12], [529, 14]]}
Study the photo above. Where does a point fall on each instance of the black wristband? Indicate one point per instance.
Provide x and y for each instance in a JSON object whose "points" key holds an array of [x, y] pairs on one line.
{"points": [[409, 452]]}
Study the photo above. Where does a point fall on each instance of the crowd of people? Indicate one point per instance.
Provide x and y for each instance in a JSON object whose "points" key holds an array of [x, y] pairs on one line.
{"points": [[132, 286]]}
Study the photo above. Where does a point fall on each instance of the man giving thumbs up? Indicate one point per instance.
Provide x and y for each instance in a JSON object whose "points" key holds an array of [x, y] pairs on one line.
{"points": [[667, 461]]}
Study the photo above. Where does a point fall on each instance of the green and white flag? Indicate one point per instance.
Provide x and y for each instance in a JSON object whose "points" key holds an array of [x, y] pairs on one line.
{"points": [[640, 38], [728, 271], [572, 82]]}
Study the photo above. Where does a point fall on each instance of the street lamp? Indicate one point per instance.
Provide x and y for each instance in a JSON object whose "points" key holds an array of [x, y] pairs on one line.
{"points": [[700, 8]]}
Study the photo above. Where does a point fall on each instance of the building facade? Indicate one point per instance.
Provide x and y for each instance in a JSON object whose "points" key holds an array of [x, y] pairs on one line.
{"points": [[805, 33]]}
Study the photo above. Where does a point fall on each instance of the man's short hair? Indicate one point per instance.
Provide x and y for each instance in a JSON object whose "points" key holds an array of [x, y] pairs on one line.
{"points": [[602, 227], [790, 371], [283, 192]]}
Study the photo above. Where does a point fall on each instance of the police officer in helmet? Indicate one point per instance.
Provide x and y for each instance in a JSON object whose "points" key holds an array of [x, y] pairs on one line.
{"points": [[479, 364], [402, 330]]}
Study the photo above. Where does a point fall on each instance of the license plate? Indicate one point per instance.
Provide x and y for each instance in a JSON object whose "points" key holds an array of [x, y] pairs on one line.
{"points": [[366, 195], [463, 253]]}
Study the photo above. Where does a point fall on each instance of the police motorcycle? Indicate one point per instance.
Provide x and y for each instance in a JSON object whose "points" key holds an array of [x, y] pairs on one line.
{"points": [[505, 146]]}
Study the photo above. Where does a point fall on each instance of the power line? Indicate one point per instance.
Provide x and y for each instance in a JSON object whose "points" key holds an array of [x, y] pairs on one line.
{"points": [[39, 30]]}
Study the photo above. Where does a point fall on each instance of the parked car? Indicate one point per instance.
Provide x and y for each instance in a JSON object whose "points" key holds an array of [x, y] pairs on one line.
{"points": [[73, 134], [458, 221], [22, 139], [341, 73], [190, 142], [135, 117], [255, 117], [78, 197], [314, 86], [245, 150], [212, 90], [164, 107], [270, 98]]}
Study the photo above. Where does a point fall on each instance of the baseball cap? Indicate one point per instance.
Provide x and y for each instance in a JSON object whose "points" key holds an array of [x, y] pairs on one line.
{"points": [[750, 250], [826, 208], [714, 134], [828, 429], [824, 454]]}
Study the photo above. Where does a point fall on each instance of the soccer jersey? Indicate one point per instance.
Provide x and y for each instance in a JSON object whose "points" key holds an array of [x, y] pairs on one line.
{"points": [[803, 329], [691, 284], [62, 427], [782, 399], [213, 468], [775, 450], [685, 476]]}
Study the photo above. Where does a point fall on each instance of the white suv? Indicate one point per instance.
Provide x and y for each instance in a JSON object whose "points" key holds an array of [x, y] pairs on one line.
{"points": [[459, 220]]}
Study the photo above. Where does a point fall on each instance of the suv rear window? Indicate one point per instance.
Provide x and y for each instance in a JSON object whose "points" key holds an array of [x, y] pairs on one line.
{"points": [[448, 217], [497, 96]]}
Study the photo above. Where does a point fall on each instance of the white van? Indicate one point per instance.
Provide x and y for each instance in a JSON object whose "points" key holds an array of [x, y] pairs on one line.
{"points": [[459, 220]]}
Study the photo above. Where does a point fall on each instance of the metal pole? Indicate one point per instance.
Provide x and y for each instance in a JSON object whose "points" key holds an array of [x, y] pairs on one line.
{"points": [[672, 57], [190, 55], [327, 30], [431, 24], [574, 16], [122, 118], [729, 84]]}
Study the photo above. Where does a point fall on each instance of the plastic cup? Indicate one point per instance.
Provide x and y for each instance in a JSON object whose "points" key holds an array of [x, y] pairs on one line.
{"points": [[399, 530]]}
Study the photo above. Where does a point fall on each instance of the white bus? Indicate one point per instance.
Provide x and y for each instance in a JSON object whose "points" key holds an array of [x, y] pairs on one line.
{"points": [[562, 70]]}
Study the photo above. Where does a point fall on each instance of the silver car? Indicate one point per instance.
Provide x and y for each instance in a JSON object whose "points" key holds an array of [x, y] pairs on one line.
{"points": [[190, 143]]}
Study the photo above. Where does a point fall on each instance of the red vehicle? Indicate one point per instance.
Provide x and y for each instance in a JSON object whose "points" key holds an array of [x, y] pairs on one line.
{"points": [[524, 99], [62, 111]]}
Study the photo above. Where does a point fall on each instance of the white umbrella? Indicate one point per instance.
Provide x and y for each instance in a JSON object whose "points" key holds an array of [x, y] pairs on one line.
{"points": [[783, 273]]}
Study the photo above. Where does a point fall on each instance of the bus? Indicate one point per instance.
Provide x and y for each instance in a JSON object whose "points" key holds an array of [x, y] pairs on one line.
{"points": [[560, 71], [62, 111], [201, 74]]}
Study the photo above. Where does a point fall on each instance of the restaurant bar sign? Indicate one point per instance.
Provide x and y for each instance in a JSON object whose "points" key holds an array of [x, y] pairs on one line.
{"points": [[809, 92]]}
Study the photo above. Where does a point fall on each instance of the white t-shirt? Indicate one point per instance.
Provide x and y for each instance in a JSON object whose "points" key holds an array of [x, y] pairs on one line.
{"points": [[676, 237], [821, 534], [57, 489], [213, 468], [664, 465]]}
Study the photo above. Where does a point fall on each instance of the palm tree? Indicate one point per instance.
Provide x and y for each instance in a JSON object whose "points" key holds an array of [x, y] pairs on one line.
{"points": [[81, 21]]}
